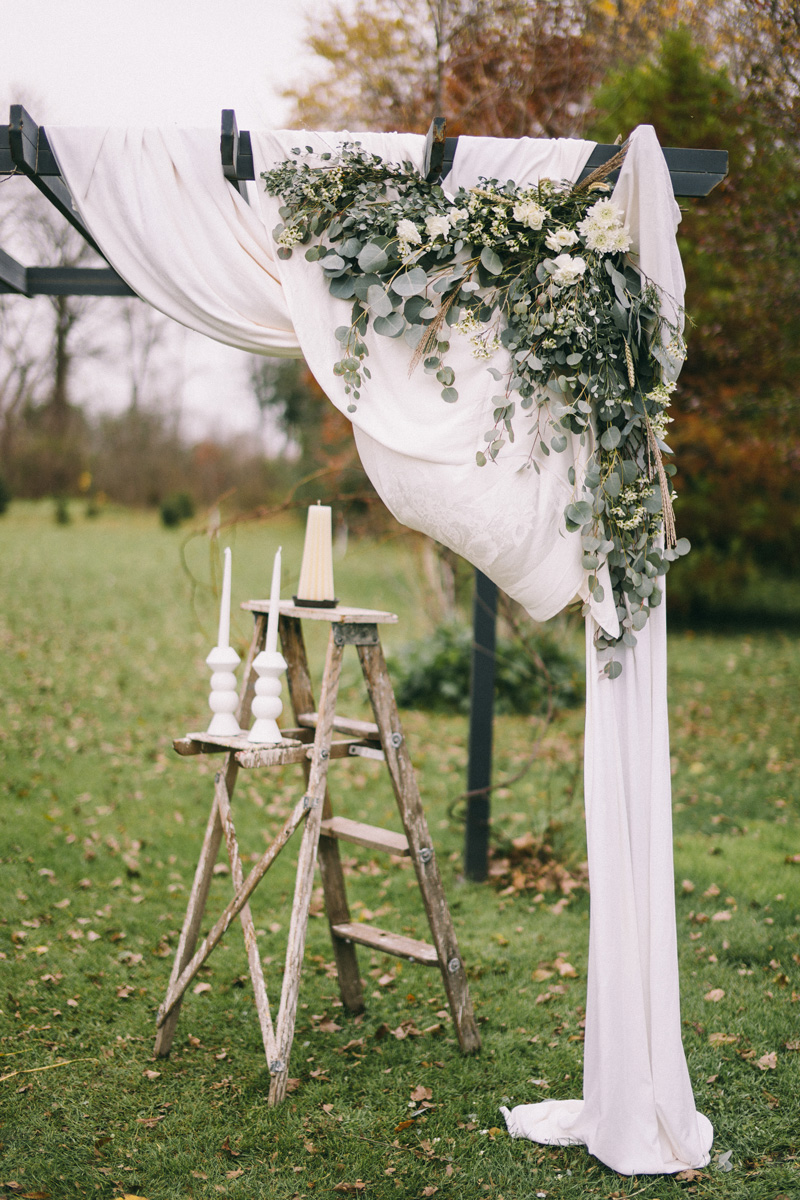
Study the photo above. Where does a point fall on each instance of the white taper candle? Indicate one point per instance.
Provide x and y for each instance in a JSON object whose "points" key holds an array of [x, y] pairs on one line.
{"points": [[271, 644], [223, 637]]}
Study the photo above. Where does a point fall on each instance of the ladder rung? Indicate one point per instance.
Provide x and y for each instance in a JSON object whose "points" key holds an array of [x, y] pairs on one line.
{"points": [[362, 729], [388, 943], [366, 835]]}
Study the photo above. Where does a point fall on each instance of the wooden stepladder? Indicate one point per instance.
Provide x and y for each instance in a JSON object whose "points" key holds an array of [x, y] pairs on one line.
{"points": [[313, 745]]}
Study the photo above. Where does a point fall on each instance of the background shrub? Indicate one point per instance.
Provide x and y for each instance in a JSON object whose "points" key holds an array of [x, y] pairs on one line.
{"points": [[434, 673]]}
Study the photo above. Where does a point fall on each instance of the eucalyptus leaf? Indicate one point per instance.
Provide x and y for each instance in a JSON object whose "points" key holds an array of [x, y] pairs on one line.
{"points": [[343, 287], [378, 301], [411, 283], [580, 512], [372, 258], [491, 261], [391, 326]]}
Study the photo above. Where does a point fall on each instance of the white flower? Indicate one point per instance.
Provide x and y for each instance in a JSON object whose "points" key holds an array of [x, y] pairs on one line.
{"points": [[603, 228], [561, 238], [408, 232], [605, 212], [458, 214], [437, 225], [568, 270], [529, 213]]}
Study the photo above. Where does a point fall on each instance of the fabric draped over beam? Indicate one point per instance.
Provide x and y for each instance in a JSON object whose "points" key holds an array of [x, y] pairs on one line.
{"points": [[157, 203]]}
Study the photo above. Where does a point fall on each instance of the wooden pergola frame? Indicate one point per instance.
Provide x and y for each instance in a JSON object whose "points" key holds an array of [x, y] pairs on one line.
{"points": [[25, 150]]}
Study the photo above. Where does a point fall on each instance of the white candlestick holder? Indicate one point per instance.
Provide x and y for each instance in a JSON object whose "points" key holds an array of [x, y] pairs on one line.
{"points": [[267, 704], [224, 699]]}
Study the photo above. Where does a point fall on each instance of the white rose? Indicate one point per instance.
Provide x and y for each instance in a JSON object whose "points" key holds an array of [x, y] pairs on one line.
{"points": [[529, 213], [560, 238], [568, 270], [408, 232], [458, 214], [437, 225]]}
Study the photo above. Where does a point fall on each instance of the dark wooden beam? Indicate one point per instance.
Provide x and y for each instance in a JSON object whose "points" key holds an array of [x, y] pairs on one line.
{"points": [[481, 718], [76, 281], [13, 276]]}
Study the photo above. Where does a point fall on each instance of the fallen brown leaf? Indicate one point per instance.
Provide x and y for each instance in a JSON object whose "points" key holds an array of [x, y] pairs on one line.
{"points": [[715, 995], [148, 1074], [689, 1175], [421, 1093], [768, 1062], [358, 1186]]}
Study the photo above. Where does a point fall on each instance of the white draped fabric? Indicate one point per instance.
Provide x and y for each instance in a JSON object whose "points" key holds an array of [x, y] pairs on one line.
{"points": [[158, 205]]}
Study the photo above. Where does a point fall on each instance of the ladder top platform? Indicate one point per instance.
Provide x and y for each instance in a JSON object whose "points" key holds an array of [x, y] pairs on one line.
{"points": [[340, 615]]}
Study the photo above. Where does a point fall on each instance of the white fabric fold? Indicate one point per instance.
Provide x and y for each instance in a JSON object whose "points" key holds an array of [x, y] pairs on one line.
{"points": [[158, 205]]}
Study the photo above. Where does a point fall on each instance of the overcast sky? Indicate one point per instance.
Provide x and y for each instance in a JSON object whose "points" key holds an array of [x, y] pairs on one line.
{"points": [[160, 62]]}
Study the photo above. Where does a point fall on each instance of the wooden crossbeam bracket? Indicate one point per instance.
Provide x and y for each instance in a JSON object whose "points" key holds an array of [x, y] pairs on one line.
{"points": [[31, 156], [25, 150]]}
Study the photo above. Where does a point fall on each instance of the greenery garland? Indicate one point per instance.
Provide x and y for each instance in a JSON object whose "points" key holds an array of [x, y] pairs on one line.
{"points": [[542, 271]]}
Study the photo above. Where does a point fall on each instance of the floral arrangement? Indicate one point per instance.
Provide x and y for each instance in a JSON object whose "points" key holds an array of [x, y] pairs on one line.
{"points": [[542, 272]]}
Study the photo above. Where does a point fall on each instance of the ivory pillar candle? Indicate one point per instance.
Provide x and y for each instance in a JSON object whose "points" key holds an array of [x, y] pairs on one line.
{"points": [[316, 572]]}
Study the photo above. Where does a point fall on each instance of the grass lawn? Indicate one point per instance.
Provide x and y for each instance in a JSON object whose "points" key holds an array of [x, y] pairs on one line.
{"points": [[104, 627]]}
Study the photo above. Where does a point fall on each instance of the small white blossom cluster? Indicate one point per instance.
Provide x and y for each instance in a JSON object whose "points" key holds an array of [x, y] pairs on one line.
{"points": [[330, 190], [290, 236], [628, 512], [468, 324], [604, 229], [484, 346], [660, 395]]}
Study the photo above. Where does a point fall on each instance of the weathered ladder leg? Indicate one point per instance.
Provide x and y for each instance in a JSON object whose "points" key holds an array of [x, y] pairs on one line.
{"points": [[245, 916], [330, 864], [191, 923], [306, 861], [412, 815], [204, 872]]}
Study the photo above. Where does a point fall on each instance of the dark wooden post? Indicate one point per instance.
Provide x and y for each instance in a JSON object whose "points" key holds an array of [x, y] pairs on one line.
{"points": [[481, 710]]}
